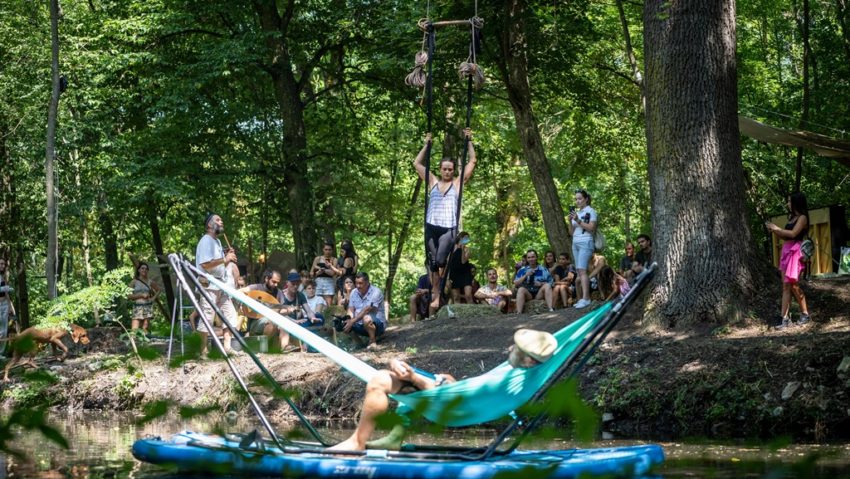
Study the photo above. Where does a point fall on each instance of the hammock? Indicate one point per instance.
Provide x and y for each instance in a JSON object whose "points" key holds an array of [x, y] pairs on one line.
{"points": [[500, 391], [474, 400]]}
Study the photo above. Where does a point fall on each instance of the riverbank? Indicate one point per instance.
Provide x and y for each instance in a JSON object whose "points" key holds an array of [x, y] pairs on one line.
{"points": [[742, 380]]}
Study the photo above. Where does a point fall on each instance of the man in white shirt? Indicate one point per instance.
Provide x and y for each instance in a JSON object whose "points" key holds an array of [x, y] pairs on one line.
{"points": [[210, 257], [366, 308]]}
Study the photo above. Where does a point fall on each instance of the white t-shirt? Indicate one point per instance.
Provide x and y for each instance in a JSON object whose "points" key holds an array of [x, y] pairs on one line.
{"points": [[210, 249], [586, 215], [316, 301]]}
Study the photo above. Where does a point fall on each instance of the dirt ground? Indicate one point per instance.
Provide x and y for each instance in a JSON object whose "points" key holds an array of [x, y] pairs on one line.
{"points": [[744, 380]]}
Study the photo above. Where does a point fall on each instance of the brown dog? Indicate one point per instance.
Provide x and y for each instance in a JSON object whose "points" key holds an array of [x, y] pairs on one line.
{"points": [[51, 336]]}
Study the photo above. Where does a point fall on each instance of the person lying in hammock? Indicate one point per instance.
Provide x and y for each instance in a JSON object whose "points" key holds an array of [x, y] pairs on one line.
{"points": [[530, 348]]}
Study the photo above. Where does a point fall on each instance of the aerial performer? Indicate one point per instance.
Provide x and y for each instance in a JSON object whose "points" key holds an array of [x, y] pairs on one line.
{"points": [[441, 217]]}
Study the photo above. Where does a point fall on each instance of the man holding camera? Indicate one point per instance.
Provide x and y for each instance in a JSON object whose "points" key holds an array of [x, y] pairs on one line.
{"points": [[533, 282]]}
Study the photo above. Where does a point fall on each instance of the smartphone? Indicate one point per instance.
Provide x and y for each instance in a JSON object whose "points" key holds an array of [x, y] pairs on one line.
{"points": [[572, 209]]}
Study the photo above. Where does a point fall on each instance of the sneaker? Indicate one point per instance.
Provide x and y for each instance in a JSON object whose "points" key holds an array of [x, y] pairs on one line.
{"points": [[582, 303], [786, 323], [804, 318]]}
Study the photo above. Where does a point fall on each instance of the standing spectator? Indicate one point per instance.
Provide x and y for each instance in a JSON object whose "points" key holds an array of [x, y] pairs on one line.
{"points": [[420, 301], [626, 260], [343, 295], [493, 293], [533, 282], [792, 262], [325, 271], [565, 275], [612, 284], [348, 261], [366, 310], [460, 273], [143, 295], [582, 225], [442, 215], [212, 258], [645, 253]]}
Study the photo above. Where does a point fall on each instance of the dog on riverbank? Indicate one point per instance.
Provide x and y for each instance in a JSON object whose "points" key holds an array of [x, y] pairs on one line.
{"points": [[27, 343]]}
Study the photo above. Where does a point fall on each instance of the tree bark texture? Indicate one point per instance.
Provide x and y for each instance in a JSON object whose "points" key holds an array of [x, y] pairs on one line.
{"points": [[707, 264], [287, 89], [107, 229], [161, 262], [50, 156], [514, 66]]}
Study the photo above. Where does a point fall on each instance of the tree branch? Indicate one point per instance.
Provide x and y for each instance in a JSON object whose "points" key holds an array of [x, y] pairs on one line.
{"points": [[618, 73], [311, 64], [286, 18]]}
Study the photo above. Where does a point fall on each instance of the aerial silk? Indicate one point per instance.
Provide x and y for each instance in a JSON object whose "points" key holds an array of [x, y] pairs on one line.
{"points": [[474, 400]]}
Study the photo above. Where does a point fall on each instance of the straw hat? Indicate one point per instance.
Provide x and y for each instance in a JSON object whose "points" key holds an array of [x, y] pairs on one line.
{"points": [[538, 344]]}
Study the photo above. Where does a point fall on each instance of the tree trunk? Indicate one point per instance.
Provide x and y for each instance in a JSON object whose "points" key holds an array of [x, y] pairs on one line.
{"points": [[50, 157], [630, 55], [708, 268], [22, 296], [514, 69], [841, 8], [401, 240], [107, 228], [287, 91], [804, 118], [161, 261]]}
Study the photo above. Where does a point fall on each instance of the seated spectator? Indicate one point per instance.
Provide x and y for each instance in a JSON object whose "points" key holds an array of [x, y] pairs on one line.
{"points": [[316, 302], [343, 295], [626, 260], [636, 271], [460, 275], [293, 304], [612, 284], [549, 262], [521, 263], [420, 300], [533, 282], [594, 267], [565, 275], [493, 293], [645, 253], [366, 309]]}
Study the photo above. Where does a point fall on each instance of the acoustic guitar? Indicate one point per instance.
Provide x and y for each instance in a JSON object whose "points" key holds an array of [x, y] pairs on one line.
{"points": [[265, 298]]}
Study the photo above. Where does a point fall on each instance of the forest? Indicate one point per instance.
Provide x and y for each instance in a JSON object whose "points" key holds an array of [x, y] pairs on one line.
{"points": [[123, 123]]}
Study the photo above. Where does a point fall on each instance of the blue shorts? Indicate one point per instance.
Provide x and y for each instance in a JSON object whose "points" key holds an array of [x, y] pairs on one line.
{"points": [[582, 251], [360, 329]]}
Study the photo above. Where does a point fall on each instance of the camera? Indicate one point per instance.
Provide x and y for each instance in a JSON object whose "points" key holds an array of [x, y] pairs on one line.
{"points": [[339, 322]]}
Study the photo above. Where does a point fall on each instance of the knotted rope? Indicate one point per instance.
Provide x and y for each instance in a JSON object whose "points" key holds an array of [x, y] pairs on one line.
{"points": [[469, 68]]}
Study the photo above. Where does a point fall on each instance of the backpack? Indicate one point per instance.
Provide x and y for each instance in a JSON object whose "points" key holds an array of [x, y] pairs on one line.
{"points": [[807, 248], [598, 240]]}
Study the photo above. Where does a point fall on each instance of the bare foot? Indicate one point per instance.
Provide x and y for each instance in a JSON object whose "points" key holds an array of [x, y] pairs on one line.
{"points": [[349, 444], [372, 347]]}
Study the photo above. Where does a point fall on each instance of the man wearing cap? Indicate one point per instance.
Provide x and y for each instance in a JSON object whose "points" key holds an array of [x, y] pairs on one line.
{"points": [[366, 310], [211, 257], [530, 348]]}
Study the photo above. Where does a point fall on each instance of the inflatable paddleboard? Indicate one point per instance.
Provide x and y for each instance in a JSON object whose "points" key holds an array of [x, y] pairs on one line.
{"points": [[212, 454]]}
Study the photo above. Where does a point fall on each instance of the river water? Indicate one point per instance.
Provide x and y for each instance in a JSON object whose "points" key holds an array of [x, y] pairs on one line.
{"points": [[100, 448]]}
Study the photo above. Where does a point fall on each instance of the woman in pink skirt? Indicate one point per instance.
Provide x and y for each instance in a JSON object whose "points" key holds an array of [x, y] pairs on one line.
{"points": [[791, 262]]}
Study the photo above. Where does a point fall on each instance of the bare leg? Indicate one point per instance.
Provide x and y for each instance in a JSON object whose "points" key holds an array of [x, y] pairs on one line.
{"points": [[412, 307], [546, 293], [521, 296], [204, 339], [375, 403], [435, 289], [801, 298], [146, 326], [467, 294], [786, 299], [134, 324]]}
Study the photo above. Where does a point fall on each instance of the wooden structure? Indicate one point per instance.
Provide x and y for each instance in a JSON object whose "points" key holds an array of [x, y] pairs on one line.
{"points": [[828, 231]]}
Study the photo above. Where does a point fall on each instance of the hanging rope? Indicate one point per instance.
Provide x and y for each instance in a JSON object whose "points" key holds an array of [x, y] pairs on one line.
{"points": [[431, 40], [470, 68]]}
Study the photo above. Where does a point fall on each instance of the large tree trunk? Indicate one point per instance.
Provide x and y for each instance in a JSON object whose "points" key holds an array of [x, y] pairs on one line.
{"points": [[50, 157], [515, 72], [287, 91], [401, 240], [841, 9], [22, 296], [708, 269], [804, 118]]}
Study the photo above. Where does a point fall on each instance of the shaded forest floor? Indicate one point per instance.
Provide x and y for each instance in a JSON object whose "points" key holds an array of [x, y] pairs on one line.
{"points": [[743, 380]]}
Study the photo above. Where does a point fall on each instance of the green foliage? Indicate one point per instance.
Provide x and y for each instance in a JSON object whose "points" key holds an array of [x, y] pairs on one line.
{"points": [[33, 391], [79, 307], [28, 419]]}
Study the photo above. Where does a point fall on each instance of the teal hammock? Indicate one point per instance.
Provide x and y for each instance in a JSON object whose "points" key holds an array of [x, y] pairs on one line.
{"points": [[470, 401]]}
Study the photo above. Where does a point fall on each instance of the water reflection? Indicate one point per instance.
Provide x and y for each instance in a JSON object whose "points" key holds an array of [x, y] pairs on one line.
{"points": [[100, 448]]}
